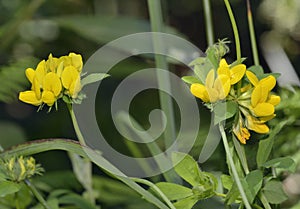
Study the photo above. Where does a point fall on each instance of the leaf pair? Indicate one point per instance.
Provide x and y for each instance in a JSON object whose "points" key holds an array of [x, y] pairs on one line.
{"points": [[203, 184]]}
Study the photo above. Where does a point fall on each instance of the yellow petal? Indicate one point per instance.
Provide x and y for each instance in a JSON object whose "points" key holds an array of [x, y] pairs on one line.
{"points": [[245, 88], [198, 90], [213, 94], [210, 79], [252, 78], [222, 85], [30, 73], [259, 95], [29, 97], [223, 68], [52, 83], [76, 60], [48, 97], [36, 88], [266, 118], [237, 73], [52, 63], [274, 100], [40, 72], [75, 88], [264, 109], [268, 82], [71, 80], [255, 125]]}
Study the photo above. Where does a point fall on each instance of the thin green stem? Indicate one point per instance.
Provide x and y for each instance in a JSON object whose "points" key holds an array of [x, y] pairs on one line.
{"points": [[36, 193], [156, 189], [208, 22], [252, 34], [75, 124], [233, 168], [264, 201], [235, 31], [155, 12]]}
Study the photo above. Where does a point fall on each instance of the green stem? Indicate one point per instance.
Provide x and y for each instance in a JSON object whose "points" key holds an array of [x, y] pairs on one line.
{"points": [[156, 189], [235, 31], [208, 22], [75, 124], [252, 34], [155, 13], [38, 196], [233, 168], [1, 148], [264, 201]]}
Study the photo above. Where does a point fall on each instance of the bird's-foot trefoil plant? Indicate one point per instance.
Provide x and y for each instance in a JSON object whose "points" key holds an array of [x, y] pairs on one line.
{"points": [[241, 99]]}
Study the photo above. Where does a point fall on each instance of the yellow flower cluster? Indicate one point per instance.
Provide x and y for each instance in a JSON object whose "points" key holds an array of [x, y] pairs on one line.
{"points": [[19, 168], [218, 88], [253, 96], [259, 109], [53, 79]]}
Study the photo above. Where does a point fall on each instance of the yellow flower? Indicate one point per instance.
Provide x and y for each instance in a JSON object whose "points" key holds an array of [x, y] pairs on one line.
{"points": [[214, 89], [235, 73], [70, 78], [74, 60], [51, 88], [34, 96], [241, 133], [256, 125], [262, 101]]}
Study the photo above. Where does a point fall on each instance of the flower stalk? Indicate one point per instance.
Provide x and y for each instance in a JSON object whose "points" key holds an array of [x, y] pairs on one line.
{"points": [[252, 34], [233, 168], [36, 193]]}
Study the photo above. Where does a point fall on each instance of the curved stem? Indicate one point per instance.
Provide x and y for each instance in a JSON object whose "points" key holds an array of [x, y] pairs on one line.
{"points": [[156, 189], [233, 168], [75, 124], [264, 201], [235, 31], [208, 22], [36, 193], [252, 34]]}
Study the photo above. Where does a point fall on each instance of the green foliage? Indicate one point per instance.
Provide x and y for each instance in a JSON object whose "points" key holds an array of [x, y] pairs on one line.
{"points": [[204, 184], [223, 111], [274, 192], [13, 80]]}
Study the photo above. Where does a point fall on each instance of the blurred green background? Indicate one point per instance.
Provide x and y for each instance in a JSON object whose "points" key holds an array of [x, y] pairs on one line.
{"points": [[30, 30]]}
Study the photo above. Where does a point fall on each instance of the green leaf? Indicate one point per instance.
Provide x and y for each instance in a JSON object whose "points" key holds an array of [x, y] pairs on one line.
{"points": [[227, 181], [190, 79], [52, 203], [8, 187], [77, 200], [286, 163], [265, 146], [92, 78], [174, 191], [257, 70], [223, 111], [274, 192], [254, 180], [187, 203], [186, 167], [201, 68]]}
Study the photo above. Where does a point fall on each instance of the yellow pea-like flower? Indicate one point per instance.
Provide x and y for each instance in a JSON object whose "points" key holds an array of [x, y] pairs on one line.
{"points": [[235, 73], [32, 97], [214, 89], [70, 78], [256, 125]]}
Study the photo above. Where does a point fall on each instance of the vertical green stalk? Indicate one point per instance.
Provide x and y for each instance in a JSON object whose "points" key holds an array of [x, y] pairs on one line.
{"points": [[233, 168], [264, 201], [252, 34], [235, 31], [87, 183], [208, 22], [35, 192], [155, 12]]}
